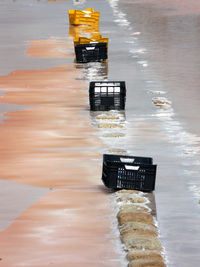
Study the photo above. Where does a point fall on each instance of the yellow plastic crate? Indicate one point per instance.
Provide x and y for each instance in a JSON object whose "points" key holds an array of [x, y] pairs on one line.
{"points": [[95, 38], [86, 31], [85, 17]]}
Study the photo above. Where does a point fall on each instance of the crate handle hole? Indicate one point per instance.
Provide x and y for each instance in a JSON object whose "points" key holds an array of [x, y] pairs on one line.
{"points": [[90, 48], [132, 168], [127, 160]]}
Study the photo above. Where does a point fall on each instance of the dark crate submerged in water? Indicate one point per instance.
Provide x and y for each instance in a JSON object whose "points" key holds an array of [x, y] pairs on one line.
{"points": [[107, 95], [128, 172], [93, 52]]}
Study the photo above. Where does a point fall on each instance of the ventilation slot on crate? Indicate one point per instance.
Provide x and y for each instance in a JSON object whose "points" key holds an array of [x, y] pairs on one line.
{"points": [[107, 96], [128, 172]]}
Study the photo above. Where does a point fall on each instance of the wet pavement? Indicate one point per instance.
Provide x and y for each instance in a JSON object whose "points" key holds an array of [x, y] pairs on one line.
{"points": [[154, 47]]}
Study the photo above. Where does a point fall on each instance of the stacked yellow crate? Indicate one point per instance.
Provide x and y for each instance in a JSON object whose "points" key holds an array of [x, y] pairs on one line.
{"points": [[95, 38], [85, 17], [89, 45], [87, 31]]}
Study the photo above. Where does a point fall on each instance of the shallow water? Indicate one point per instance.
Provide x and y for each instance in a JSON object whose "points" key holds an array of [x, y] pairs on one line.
{"points": [[48, 149], [162, 38], [153, 47]]}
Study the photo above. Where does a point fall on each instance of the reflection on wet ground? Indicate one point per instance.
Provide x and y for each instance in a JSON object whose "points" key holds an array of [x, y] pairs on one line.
{"points": [[51, 48], [86, 31], [33, 143], [110, 127], [15, 199], [61, 224], [55, 100], [94, 71], [55, 147]]}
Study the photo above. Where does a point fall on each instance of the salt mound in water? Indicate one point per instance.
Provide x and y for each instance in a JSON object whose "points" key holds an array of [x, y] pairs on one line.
{"points": [[135, 217], [143, 254], [161, 102], [118, 151], [133, 208], [110, 125], [141, 241], [114, 135], [131, 199], [107, 117], [137, 228], [147, 263]]}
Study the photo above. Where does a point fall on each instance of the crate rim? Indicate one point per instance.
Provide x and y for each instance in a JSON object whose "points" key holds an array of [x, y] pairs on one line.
{"points": [[127, 156], [121, 93], [108, 81]]}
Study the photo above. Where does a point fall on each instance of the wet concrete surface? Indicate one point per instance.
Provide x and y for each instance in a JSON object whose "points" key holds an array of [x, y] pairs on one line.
{"points": [[154, 48], [163, 37], [15, 199]]}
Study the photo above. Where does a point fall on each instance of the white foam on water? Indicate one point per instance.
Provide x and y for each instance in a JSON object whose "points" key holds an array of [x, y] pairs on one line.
{"points": [[137, 51], [136, 33], [130, 42], [156, 92], [121, 19], [95, 71], [186, 144], [195, 189]]}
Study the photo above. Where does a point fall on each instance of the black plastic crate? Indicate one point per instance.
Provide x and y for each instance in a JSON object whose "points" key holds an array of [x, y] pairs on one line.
{"points": [[128, 172], [107, 95], [93, 52]]}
